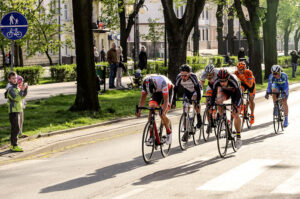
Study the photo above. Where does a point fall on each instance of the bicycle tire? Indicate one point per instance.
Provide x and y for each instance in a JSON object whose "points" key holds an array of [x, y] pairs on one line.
{"points": [[281, 119], [276, 120], [181, 132], [197, 135], [205, 123], [222, 137], [146, 135], [164, 148]]}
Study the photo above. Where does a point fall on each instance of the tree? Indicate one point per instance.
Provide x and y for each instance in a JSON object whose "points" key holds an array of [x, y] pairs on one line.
{"points": [[270, 34], [251, 28], [220, 24], [196, 38], [297, 38], [230, 35], [178, 31], [155, 33], [86, 96]]}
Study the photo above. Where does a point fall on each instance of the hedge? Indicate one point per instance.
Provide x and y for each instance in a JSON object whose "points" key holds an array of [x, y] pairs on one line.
{"points": [[31, 74], [63, 73]]}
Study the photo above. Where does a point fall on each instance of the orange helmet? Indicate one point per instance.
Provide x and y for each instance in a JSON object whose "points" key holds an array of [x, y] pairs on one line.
{"points": [[241, 65]]}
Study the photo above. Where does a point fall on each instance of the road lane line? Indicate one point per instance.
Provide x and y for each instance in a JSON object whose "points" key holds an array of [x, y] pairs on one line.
{"points": [[290, 186], [238, 176], [130, 193]]}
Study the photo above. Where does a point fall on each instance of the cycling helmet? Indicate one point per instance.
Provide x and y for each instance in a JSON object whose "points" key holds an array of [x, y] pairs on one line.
{"points": [[223, 74], [138, 71], [185, 68], [150, 85], [19, 79], [275, 69], [209, 68], [241, 65]]}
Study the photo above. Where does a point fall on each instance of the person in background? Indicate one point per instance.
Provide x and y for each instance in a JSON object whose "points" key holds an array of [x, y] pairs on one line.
{"points": [[15, 96], [241, 53], [119, 69], [112, 59], [143, 59], [20, 82], [96, 54], [102, 55], [295, 57]]}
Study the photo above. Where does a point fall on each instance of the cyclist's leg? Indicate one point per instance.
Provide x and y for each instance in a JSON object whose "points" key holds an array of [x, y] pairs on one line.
{"points": [[237, 119], [221, 97], [275, 88]]}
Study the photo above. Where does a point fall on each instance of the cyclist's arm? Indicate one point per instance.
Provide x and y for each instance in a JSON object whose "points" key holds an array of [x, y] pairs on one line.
{"points": [[286, 86], [166, 104], [269, 89], [250, 79], [143, 99], [214, 94]]}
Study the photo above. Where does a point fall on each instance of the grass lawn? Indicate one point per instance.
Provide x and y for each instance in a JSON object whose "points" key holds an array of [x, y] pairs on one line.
{"points": [[52, 114]]}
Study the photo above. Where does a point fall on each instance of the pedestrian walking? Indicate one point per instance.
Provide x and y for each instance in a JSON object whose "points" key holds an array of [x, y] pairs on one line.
{"points": [[143, 59], [119, 69], [295, 57], [15, 97], [102, 55], [112, 59], [96, 54]]}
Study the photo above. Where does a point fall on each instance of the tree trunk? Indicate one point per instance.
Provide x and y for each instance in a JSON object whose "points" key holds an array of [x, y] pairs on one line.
{"points": [[196, 38], [16, 54], [230, 30], [49, 58], [286, 42], [270, 33], [296, 38], [220, 24], [154, 44], [86, 96], [21, 56]]}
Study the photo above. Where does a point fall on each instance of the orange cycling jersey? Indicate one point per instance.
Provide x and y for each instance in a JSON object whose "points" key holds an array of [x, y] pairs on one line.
{"points": [[246, 78]]}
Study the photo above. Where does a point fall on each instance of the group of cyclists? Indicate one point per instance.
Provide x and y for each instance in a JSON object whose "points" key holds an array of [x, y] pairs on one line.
{"points": [[221, 86]]}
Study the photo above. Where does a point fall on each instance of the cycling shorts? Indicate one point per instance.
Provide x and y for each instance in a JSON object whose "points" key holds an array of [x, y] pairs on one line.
{"points": [[157, 98], [247, 88], [280, 88]]}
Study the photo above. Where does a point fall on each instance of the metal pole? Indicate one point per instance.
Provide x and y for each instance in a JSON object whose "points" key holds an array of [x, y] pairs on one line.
{"points": [[12, 55], [165, 43], [59, 35], [134, 40], [239, 35]]}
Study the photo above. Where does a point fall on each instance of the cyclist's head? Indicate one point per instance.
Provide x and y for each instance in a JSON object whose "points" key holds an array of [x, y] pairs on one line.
{"points": [[241, 66], [185, 68], [276, 70], [209, 68], [223, 76], [138, 71], [150, 85]]}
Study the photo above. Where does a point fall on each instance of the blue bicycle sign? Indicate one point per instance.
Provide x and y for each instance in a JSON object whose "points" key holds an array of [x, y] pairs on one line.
{"points": [[14, 26]]}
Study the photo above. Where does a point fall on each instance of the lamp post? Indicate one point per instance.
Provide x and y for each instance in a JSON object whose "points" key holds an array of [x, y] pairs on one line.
{"points": [[136, 36], [59, 34]]}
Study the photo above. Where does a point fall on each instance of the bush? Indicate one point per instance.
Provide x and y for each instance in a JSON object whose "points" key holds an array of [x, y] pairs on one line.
{"points": [[63, 73], [31, 74], [285, 61]]}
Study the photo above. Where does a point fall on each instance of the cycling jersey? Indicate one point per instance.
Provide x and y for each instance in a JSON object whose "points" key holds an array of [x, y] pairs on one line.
{"points": [[247, 81], [211, 82], [163, 86], [191, 87], [280, 84], [231, 90]]}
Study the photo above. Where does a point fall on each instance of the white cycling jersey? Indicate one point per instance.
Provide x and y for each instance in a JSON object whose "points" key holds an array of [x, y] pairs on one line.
{"points": [[162, 84]]}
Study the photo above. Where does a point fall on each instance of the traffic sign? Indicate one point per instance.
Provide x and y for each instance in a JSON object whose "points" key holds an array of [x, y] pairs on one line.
{"points": [[14, 26]]}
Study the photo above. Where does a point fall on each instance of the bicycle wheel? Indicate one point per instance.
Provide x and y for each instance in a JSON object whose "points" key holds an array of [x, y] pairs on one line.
{"points": [[276, 118], [148, 147], [222, 137], [246, 116], [197, 135], [205, 131], [281, 118], [234, 136], [164, 148], [183, 131]]}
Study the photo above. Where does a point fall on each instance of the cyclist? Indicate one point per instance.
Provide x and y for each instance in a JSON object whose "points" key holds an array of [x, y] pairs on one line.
{"points": [[247, 83], [161, 90], [224, 87], [278, 81]]}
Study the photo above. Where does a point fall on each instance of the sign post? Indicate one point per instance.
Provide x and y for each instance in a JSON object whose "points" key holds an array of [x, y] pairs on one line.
{"points": [[13, 26]]}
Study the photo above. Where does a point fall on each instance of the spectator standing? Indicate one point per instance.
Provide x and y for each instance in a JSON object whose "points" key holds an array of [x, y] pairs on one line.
{"points": [[227, 59], [20, 82], [119, 69], [143, 59], [96, 54], [295, 57], [102, 55], [112, 59], [241, 53], [15, 97]]}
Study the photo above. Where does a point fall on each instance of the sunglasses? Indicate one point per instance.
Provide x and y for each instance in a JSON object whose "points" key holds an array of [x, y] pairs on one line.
{"points": [[183, 75], [275, 73], [210, 75], [223, 80]]}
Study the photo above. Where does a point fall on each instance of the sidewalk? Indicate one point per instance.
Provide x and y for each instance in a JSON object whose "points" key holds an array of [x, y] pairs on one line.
{"points": [[44, 145]]}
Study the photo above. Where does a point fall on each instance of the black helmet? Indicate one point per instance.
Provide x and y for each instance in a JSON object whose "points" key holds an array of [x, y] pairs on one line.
{"points": [[150, 85], [185, 68], [223, 74]]}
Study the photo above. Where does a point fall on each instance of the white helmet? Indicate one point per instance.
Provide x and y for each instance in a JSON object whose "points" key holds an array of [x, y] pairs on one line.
{"points": [[275, 69], [138, 71], [209, 68]]}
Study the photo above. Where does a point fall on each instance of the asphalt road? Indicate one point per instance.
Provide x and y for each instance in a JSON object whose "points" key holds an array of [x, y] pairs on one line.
{"points": [[267, 166]]}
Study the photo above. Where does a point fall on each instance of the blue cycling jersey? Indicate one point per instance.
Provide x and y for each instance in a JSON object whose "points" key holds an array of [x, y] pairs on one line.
{"points": [[281, 83]]}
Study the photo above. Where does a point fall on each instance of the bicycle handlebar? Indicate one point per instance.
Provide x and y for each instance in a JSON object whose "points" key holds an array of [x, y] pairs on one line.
{"points": [[137, 108]]}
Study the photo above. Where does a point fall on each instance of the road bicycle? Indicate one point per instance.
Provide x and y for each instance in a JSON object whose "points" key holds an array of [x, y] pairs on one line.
{"points": [[224, 131], [187, 125], [278, 112], [245, 111], [153, 138], [209, 121]]}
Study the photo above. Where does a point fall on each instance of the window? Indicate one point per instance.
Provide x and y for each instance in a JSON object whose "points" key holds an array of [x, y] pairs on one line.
{"points": [[203, 34], [206, 14], [66, 49], [66, 14], [207, 34]]}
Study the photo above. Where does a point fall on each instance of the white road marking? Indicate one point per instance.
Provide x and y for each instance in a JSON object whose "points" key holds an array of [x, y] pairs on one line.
{"points": [[290, 186], [239, 176]]}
